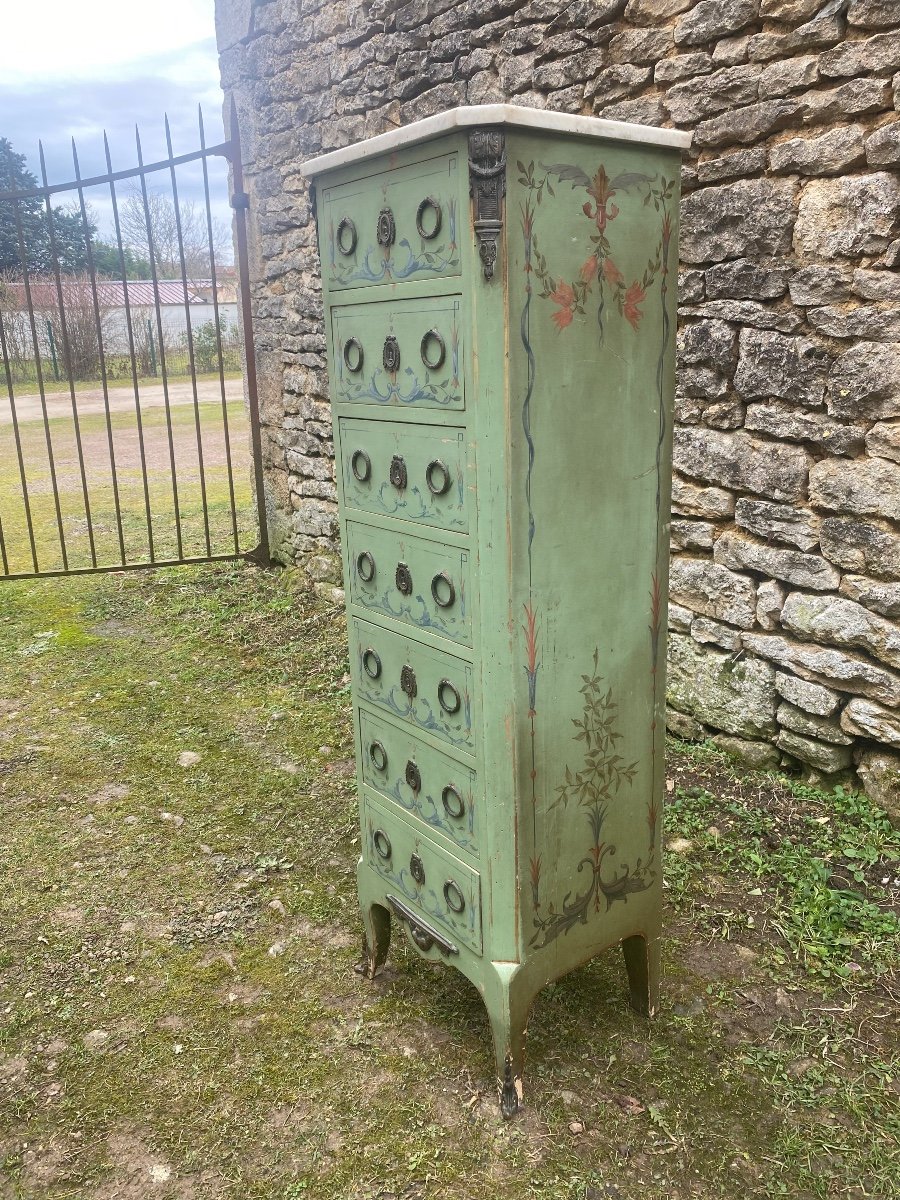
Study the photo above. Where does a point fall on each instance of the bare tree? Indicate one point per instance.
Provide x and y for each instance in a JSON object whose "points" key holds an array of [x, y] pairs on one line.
{"points": [[164, 226]]}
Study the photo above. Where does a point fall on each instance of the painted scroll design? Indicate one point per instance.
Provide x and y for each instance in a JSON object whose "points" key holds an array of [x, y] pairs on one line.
{"points": [[404, 387], [377, 264], [595, 787], [599, 277]]}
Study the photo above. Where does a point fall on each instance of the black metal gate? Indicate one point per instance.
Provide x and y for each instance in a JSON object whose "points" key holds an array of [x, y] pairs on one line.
{"points": [[129, 421]]}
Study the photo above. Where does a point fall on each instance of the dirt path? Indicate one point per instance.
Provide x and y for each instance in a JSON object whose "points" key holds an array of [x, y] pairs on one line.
{"points": [[121, 399]]}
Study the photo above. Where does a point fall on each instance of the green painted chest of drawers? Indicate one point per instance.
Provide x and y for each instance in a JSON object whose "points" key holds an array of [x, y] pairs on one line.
{"points": [[499, 290]]}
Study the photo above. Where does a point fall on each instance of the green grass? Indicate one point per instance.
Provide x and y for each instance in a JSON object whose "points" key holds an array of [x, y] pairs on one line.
{"points": [[177, 992], [27, 385]]}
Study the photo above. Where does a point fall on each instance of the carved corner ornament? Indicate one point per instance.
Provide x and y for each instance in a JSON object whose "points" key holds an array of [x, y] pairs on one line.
{"points": [[487, 185]]}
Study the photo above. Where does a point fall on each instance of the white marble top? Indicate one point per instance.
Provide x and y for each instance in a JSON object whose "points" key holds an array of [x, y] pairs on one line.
{"points": [[494, 114]]}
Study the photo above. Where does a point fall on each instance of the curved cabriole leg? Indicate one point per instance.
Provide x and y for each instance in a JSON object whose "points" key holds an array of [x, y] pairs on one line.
{"points": [[642, 965], [508, 1002], [376, 940]]}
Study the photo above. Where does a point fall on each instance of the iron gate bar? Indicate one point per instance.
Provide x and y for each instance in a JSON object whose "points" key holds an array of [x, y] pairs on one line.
{"points": [[231, 151], [67, 355], [131, 350], [190, 341], [218, 325], [103, 375]]}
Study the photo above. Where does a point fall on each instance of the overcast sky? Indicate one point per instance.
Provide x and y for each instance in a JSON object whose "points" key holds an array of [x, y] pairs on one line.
{"points": [[77, 67]]}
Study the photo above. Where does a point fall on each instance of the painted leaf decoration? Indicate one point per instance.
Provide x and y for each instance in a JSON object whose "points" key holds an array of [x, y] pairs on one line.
{"points": [[568, 174], [629, 179]]}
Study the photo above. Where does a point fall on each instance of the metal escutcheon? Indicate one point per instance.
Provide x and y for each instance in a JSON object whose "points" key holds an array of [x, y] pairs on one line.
{"points": [[386, 230], [390, 356], [417, 869], [408, 682], [413, 776], [397, 473], [403, 579]]}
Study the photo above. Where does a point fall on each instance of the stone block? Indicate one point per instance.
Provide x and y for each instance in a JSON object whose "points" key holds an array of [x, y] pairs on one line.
{"points": [[682, 726], [708, 344], [883, 440], [813, 35], [883, 147], [817, 284], [703, 382], [796, 425], [869, 720], [693, 501], [877, 55], [811, 697], [870, 547], [791, 75], [847, 217], [827, 665], [747, 124], [640, 46], [647, 12], [746, 312], [725, 414], [758, 756], [738, 552], [875, 285], [829, 153], [837, 621], [873, 14], [879, 597], [865, 487], [823, 756], [735, 697], [770, 365], [682, 66], [680, 618], [778, 522], [747, 219], [879, 773], [743, 279], [857, 98], [692, 535], [736, 460], [706, 631], [769, 602], [865, 382], [732, 50], [873, 322], [799, 721], [694, 99], [710, 589], [712, 19], [737, 165], [789, 11]]}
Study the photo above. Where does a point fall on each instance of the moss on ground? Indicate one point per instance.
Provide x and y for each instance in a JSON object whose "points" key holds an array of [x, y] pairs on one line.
{"points": [[179, 1015]]}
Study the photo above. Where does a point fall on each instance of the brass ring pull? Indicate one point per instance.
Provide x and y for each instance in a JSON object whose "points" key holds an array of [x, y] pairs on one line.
{"points": [[456, 901], [437, 476], [429, 203], [382, 844], [386, 229], [433, 337], [361, 466], [449, 697], [378, 756], [371, 663], [353, 364], [443, 591], [365, 566], [346, 236], [453, 803]]}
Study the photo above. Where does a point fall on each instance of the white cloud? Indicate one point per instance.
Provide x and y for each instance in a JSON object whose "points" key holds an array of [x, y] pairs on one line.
{"points": [[103, 39]]}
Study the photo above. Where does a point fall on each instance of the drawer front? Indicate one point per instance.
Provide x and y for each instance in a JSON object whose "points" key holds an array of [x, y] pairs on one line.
{"points": [[402, 353], [417, 582], [423, 875], [427, 784], [425, 688], [416, 472], [394, 226]]}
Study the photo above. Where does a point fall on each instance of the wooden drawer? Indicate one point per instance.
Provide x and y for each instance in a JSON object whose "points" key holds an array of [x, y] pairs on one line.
{"points": [[430, 786], [425, 688], [405, 353], [393, 226], [420, 583], [427, 464], [424, 876]]}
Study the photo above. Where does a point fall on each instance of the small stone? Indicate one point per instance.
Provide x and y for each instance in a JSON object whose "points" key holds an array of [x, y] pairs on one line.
{"points": [[726, 414], [769, 602], [842, 622], [828, 154], [747, 312], [712, 19], [276, 949], [879, 772], [708, 344], [865, 382], [750, 218], [734, 697], [875, 55], [862, 487], [876, 285], [872, 14], [682, 726], [95, 1039], [713, 591], [857, 98], [646, 12], [883, 598], [808, 725], [848, 217], [680, 618], [740, 553], [160, 1173], [706, 632], [883, 147], [691, 535], [188, 758], [747, 124], [736, 460], [791, 75], [822, 755], [825, 664], [759, 756], [816, 284], [877, 323], [811, 697], [793, 11], [741, 279], [870, 720], [680, 845], [793, 369], [797, 425], [735, 165], [869, 547], [778, 522], [694, 99], [883, 440]]}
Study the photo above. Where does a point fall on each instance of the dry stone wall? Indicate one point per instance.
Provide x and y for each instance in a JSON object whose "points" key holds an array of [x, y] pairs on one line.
{"points": [[784, 639]]}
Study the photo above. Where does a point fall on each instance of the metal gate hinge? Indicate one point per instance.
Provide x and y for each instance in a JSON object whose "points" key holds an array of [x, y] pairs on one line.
{"points": [[240, 200]]}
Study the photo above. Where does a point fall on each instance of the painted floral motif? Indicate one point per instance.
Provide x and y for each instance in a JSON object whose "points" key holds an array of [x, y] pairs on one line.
{"points": [[404, 387], [600, 276], [594, 787]]}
